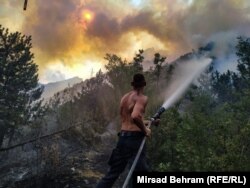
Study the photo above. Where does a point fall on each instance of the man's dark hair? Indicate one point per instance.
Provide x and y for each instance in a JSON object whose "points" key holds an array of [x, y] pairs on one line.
{"points": [[138, 81]]}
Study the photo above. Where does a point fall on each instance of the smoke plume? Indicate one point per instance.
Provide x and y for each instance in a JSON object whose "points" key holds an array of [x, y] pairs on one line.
{"points": [[62, 33]]}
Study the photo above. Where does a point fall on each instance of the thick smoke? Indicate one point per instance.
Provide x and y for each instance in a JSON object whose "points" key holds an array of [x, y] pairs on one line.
{"points": [[60, 32]]}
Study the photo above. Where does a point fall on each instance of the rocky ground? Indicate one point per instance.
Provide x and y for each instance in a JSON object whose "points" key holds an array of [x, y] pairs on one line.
{"points": [[85, 170], [56, 163]]}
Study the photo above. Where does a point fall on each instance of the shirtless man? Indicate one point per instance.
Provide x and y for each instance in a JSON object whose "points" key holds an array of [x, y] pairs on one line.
{"points": [[133, 106], [133, 130]]}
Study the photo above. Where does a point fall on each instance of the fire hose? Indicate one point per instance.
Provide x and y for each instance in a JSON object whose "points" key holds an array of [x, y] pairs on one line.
{"points": [[155, 117]]}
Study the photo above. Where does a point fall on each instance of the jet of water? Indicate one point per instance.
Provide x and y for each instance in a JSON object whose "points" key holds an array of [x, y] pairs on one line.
{"points": [[183, 76], [185, 73]]}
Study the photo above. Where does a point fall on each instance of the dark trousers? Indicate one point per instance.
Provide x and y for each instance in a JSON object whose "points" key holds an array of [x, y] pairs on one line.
{"points": [[124, 153]]}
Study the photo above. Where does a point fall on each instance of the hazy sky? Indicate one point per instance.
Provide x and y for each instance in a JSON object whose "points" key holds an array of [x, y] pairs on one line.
{"points": [[71, 37]]}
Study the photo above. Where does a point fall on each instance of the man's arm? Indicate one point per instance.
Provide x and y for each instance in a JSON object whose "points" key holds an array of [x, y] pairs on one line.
{"points": [[137, 114]]}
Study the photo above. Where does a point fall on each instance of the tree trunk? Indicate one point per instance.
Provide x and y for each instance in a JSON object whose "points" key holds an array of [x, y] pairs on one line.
{"points": [[2, 134], [12, 132]]}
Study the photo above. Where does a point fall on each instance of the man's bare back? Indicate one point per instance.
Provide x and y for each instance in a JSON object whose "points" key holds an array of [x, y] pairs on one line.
{"points": [[132, 108]]}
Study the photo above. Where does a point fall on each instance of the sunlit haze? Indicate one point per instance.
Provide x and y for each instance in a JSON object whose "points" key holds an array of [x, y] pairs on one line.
{"points": [[71, 37]]}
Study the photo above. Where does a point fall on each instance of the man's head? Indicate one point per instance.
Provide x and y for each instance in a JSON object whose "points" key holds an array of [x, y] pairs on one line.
{"points": [[138, 81]]}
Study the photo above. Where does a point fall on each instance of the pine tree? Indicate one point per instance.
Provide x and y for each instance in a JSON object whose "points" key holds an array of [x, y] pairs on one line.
{"points": [[158, 60], [243, 52], [18, 82], [138, 59]]}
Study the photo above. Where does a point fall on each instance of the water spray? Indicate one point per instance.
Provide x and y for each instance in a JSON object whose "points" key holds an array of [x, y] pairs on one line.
{"points": [[177, 92]]}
